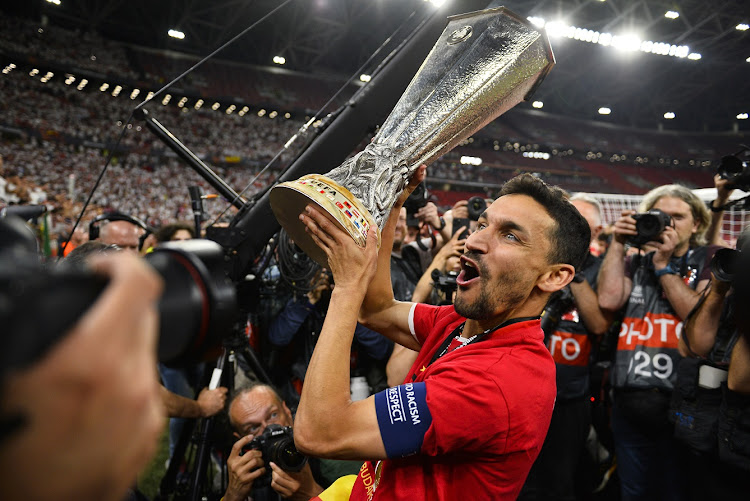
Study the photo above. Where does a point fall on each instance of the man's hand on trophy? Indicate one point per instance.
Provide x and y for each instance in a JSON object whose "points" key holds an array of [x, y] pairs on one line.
{"points": [[351, 265], [419, 175]]}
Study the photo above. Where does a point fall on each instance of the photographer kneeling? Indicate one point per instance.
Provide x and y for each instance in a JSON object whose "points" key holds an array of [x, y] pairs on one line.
{"points": [[251, 412]]}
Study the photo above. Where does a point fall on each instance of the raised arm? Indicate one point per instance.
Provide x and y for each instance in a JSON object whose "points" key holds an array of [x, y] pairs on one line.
{"points": [[702, 328], [723, 192], [596, 320], [380, 311], [328, 423], [613, 287]]}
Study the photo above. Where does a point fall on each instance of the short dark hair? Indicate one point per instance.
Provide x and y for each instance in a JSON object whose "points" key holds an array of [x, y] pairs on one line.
{"points": [[571, 236], [79, 255], [165, 233]]}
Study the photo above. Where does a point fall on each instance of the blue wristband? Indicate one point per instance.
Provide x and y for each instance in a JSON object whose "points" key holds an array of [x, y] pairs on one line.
{"points": [[669, 269]]}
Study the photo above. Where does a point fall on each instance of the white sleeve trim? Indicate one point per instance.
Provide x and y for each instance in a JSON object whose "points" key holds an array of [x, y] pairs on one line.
{"points": [[411, 322]]}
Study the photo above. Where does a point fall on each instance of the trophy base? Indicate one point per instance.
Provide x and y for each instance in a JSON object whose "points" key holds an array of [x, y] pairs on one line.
{"points": [[288, 201]]}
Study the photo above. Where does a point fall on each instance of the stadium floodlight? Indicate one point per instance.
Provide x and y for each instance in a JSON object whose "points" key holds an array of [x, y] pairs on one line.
{"points": [[466, 160], [82, 84], [279, 60], [117, 90], [54, 2], [536, 21], [669, 115], [69, 79], [273, 114], [231, 109], [537, 104], [742, 27], [287, 115], [365, 77], [215, 106], [436, 3], [261, 112], [135, 93], [166, 99], [34, 72], [748, 59], [604, 111], [198, 104], [176, 34], [671, 14], [742, 116], [628, 42], [694, 56], [104, 87]]}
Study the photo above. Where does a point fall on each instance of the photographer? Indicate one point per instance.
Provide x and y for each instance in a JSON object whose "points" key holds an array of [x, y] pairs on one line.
{"points": [[298, 326], [709, 380], [250, 412], [657, 290], [572, 322], [82, 421]]}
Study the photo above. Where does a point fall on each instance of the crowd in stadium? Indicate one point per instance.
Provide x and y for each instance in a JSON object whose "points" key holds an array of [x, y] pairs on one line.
{"points": [[644, 396]]}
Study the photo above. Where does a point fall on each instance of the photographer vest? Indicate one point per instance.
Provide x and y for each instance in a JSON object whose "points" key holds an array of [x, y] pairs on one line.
{"points": [[571, 345], [647, 349]]}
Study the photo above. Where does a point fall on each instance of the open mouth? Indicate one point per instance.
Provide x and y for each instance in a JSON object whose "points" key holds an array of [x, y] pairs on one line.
{"points": [[469, 272]]}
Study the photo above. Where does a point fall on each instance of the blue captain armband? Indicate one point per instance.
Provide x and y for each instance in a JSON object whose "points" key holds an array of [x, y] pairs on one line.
{"points": [[403, 418]]}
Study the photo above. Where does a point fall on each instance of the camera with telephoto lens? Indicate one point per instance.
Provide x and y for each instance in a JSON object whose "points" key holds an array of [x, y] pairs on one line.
{"points": [[476, 207], [40, 302], [735, 171], [276, 444], [649, 226]]}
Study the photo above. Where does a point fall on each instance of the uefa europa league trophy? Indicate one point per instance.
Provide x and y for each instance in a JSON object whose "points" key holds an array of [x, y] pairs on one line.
{"points": [[482, 65]]}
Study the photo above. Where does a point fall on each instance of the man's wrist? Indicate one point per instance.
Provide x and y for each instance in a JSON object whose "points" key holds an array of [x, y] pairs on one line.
{"points": [[669, 269], [717, 205]]}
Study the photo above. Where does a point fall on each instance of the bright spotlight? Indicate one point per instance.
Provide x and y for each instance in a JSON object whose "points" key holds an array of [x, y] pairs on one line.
{"points": [[466, 160], [742, 27], [669, 115], [604, 111], [365, 78], [694, 56], [536, 21], [279, 60], [537, 104], [742, 116], [670, 14], [176, 34], [54, 2]]}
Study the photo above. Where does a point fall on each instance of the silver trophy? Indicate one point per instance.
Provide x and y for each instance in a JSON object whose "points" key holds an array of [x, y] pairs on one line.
{"points": [[483, 64]]}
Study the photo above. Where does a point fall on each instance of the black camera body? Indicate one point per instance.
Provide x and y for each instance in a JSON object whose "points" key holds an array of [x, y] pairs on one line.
{"points": [[735, 171], [39, 303], [559, 303], [445, 282], [276, 444], [649, 226], [476, 207], [417, 199]]}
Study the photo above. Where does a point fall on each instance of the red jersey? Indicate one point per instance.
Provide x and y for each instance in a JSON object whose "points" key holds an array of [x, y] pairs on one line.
{"points": [[490, 402]]}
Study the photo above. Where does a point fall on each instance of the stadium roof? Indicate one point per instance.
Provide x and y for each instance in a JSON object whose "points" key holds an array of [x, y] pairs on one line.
{"points": [[337, 36]]}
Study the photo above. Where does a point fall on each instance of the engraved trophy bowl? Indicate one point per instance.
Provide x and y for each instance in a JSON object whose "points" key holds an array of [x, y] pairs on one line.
{"points": [[482, 65]]}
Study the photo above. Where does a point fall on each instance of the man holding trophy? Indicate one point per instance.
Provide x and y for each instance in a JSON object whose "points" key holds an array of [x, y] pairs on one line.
{"points": [[475, 407]]}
